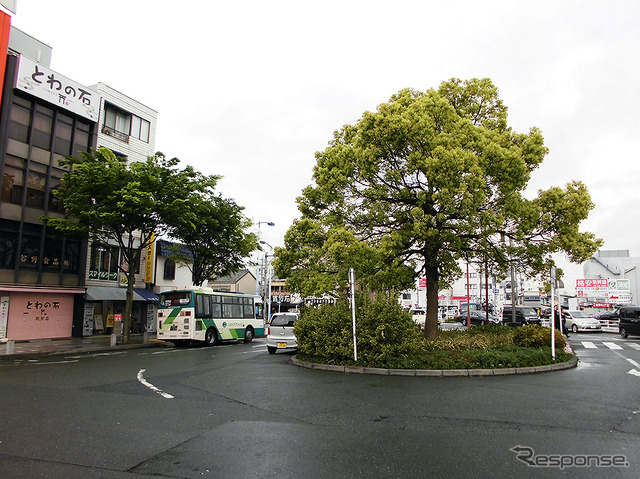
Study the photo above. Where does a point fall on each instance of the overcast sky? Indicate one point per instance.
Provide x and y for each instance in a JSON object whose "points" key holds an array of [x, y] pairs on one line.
{"points": [[252, 89]]}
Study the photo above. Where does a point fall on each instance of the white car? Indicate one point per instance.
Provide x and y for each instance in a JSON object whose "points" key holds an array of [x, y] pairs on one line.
{"points": [[280, 334], [580, 321]]}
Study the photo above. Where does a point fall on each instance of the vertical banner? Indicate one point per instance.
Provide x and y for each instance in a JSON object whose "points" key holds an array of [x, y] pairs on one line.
{"points": [[149, 261], [4, 315], [87, 319], [151, 318]]}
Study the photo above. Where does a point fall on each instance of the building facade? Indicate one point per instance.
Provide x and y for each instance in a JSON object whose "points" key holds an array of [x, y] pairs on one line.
{"points": [[43, 117]]}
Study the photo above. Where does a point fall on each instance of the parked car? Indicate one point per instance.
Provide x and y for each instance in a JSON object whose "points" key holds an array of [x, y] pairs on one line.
{"points": [[280, 333], [524, 315], [580, 321], [609, 321], [629, 321], [477, 318]]}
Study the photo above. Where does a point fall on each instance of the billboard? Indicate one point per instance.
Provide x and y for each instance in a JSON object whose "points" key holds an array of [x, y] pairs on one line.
{"points": [[40, 81]]}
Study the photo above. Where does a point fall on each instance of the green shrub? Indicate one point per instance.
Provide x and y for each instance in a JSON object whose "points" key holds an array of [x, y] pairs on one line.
{"points": [[385, 332], [535, 336]]}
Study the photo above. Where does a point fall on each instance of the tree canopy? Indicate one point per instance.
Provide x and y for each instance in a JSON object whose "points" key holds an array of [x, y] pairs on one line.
{"points": [[129, 204], [214, 242], [429, 179]]}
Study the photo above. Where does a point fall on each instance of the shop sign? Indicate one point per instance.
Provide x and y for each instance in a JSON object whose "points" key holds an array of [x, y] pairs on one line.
{"points": [[39, 81]]}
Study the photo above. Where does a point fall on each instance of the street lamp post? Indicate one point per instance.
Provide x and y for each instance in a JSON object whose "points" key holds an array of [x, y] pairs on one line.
{"points": [[258, 272], [267, 271]]}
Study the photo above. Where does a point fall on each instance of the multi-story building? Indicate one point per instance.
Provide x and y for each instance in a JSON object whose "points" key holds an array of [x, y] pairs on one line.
{"points": [[43, 117], [126, 127], [53, 286]]}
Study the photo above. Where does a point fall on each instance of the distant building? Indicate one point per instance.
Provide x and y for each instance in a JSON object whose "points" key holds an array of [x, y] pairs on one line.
{"points": [[242, 282], [617, 267]]}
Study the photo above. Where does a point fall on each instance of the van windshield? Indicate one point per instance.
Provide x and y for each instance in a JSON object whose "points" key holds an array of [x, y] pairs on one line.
{"points": [[529, 312]]}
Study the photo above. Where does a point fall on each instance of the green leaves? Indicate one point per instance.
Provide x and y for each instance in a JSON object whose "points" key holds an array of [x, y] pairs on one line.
{"points": [[426, 180]]}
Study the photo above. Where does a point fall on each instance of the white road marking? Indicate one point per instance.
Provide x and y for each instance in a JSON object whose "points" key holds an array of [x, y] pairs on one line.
{"points": [[151, 386], [611, 345], [635, 346], [589, 345], [633, 362]]}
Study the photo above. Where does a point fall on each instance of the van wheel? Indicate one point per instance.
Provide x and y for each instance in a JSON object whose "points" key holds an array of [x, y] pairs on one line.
{"points": [[211, 337], [623, 333], [248, 334]]}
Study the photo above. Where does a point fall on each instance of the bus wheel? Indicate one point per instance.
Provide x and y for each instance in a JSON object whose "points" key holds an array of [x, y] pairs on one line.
{"points": [[248, 334], [211, 337]]}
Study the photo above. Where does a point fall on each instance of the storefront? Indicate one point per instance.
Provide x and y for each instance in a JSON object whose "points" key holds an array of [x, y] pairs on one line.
{"points": [[103, 303], [37, 313]]}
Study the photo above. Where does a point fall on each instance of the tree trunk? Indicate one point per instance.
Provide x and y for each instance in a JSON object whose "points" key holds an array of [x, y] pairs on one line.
{"points": [[128, 315], [431, 321]]}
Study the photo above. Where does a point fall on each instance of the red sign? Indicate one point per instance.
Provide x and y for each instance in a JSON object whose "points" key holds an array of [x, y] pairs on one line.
{"points": [[422, 283]]}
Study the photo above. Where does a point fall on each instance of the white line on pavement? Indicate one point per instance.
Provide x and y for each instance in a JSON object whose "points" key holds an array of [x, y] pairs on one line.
{"points": [[589, 345], [611, 345], [151, 386]]}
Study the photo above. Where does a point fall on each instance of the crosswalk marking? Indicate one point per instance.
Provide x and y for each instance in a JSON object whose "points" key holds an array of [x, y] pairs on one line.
{"points": [[608, 344]]}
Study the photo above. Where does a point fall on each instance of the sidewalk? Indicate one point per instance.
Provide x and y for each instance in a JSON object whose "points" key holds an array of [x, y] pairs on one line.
{"points": [[90, 344]]}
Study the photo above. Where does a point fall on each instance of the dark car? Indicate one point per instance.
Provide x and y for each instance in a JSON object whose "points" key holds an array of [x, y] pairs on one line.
{"points": [[524, 315], [477, 318], [629, 321]]}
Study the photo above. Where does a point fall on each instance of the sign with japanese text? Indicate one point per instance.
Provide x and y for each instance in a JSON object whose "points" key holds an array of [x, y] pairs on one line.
{"points": [[592, 288], [149, 262], [4, 315], [39, 81], [40, 315], [87, 321]]}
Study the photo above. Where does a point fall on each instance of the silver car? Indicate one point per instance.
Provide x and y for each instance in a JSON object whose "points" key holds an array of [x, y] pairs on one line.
{"points": [[280, 334], [580, 321]]}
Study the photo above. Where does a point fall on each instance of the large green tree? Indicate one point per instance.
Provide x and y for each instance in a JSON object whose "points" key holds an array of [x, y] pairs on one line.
{"points": [[213, 238], [129, 204], [435, 177]]}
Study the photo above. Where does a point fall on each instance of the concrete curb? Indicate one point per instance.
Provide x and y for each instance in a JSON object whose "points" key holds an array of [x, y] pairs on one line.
{"points": [[572, 363]]}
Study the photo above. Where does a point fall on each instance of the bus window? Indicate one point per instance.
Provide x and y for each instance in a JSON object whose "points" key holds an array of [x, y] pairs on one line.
{"points": [[175, 298]]}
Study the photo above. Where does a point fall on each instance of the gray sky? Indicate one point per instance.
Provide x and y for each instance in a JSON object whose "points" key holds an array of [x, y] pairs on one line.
{"points": [[251, 89]]}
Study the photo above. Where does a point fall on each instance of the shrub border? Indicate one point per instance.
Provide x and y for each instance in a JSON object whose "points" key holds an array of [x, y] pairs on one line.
{"points": [[572, 363]]}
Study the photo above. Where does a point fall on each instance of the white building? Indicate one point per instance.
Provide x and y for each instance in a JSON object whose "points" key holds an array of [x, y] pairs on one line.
{"points": [[613, 265]]}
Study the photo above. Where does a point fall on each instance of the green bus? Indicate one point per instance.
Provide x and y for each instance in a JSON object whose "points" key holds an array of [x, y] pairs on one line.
{"points": [[191, 315]]}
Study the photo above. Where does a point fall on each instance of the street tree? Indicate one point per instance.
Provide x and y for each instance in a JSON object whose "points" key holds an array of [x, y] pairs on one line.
{"points": [[129, 204], [213, 238], [435, 177]]}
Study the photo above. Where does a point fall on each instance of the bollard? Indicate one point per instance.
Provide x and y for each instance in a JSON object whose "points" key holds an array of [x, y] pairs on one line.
{"points": [[145, 337], [114, 339], [10, 346]]}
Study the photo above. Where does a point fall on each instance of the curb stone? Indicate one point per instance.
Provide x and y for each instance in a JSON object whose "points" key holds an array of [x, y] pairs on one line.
{"points": [[572, 363]]}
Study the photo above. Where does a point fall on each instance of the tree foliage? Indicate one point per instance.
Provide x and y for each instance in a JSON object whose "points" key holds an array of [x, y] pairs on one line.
{"points": [[214, 242], [429, 179], [129, 204]]}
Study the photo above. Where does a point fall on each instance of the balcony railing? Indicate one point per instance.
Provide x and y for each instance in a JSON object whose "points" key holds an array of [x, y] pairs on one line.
{"points": [[115, 133]]}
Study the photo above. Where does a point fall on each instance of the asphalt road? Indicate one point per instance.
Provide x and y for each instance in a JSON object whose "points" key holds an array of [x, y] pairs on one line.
{"points": [[234, 411]]}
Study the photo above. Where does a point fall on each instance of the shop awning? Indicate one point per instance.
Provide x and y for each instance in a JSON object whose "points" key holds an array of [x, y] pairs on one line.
{"points": [[107, 293]]}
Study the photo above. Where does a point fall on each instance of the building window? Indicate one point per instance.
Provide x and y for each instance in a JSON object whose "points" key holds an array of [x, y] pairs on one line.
{"points": [[117, 123], [81, 137], [169, 269], [20, 119], [64, 132], [8, 243], [42, 127], [104, 262], [30, 246], [140, 128]]}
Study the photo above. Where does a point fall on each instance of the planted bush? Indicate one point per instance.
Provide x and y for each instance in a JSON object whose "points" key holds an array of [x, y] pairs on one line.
{"points": [[536, 336], [385, 332]]}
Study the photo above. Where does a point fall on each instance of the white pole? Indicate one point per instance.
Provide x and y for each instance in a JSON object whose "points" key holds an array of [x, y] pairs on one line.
{"points": [[352, 280], [553, 313]]}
